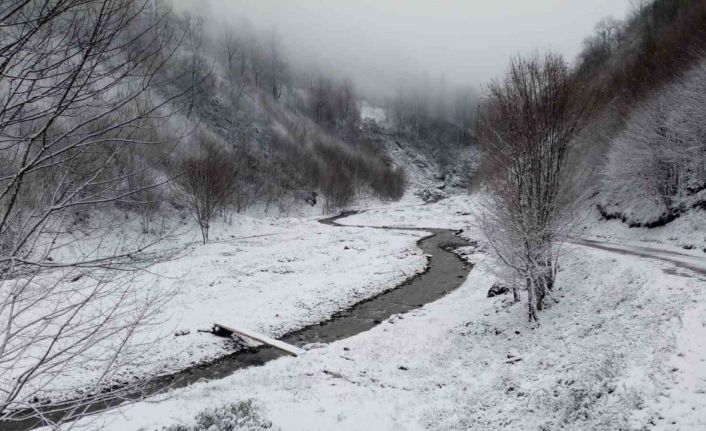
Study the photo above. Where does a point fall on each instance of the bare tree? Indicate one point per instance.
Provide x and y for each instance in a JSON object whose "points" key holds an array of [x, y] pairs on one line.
{"points": [[525, 129], [245, 182], [277, 66], [337, 189], [258, 63], [78, 79], [608, 33], [321, 89], [146, 199], [235, 60], [198, 70], [348, 111], [205, 186]]}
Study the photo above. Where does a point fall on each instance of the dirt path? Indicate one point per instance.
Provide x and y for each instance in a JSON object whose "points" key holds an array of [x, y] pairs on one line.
{"points": [[682, 260]]}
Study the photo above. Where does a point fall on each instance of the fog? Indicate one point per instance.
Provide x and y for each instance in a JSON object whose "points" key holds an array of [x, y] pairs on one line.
{"points": [[385, 44]]}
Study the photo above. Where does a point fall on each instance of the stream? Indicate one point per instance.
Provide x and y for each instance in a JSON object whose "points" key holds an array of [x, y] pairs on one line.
{"points": [[445, 272]]}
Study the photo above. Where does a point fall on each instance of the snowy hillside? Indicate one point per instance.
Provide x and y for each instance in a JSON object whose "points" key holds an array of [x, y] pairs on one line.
{"points": [[426, 176]]}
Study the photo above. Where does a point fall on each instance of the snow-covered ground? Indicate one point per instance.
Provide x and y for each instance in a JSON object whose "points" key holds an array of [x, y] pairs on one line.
{"points": [[686, 234], [622, 347], [374, 113], [455, 212], [271, 275]]}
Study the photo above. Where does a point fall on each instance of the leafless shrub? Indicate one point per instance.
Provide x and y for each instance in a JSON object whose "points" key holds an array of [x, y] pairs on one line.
{"points": [[146, 199], [525, 129], [388, 183], [337, 190], [205, 187]]}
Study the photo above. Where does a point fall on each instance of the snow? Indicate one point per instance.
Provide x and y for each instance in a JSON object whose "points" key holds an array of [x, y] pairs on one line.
{"points": [[694, 261], [270, 275], [685, 399], [622, 347], [686, 231], [455, 212], [369, 112]]}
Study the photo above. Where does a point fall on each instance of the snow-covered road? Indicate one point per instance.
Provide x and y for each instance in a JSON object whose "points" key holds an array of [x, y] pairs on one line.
{"points": [[683, 260]]}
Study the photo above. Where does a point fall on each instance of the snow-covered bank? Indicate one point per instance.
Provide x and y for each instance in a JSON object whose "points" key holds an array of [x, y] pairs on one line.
{"points": [[265, 274], [455, 212], [621, 348], [599, 360]]}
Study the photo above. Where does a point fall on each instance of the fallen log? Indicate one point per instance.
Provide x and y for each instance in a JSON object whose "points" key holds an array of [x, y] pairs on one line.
{"points": [[281, 345]]}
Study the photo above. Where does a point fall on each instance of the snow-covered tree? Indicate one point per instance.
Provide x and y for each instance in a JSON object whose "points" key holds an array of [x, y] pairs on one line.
{"points": [[525, 129], [656, 166]]}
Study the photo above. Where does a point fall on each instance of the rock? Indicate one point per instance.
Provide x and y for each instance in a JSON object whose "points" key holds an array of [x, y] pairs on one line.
{"points": [[430, 195], [312, 346], [308, 197], [220, 332], [311, 198], [182, 332], [498, 289]]}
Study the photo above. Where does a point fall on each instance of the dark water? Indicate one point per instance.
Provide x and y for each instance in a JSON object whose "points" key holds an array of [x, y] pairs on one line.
{"points": [[445, 272]]}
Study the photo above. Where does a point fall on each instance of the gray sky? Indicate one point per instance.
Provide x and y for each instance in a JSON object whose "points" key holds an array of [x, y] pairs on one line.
{"points": [[384, 42]]}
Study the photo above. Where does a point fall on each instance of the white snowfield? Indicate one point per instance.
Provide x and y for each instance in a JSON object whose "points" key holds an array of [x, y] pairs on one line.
{"points": [[622, 345], [268, 275]]}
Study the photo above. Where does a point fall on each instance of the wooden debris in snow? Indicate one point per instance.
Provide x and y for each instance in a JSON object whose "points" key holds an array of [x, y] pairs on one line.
{"points": [[281, 345], [513, 357]]}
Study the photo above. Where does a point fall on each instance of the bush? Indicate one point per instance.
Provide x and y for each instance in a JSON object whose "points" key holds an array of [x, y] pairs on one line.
{"points": [[343, 173], [204, 187], [240, 416]]}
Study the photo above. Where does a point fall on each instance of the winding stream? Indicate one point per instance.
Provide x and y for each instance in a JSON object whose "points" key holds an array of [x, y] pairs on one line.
{"points": [[445, 272]]}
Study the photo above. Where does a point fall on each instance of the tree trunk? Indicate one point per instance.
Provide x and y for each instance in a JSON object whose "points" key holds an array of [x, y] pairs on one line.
{"points": [[531, 304]]}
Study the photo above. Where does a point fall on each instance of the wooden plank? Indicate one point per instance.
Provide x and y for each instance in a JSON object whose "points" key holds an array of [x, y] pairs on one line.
{"points": [[281, 345]]}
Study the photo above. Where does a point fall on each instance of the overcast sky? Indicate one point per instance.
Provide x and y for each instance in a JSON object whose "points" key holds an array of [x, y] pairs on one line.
{"points": [[383, 42]]}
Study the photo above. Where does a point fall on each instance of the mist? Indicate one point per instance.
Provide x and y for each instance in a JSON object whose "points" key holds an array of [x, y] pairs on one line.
{"points": [[387, 44]]}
